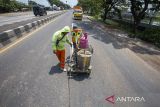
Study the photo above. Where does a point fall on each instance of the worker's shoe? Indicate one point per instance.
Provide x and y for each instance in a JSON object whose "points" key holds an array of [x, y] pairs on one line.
{"points": [[63, 69]]}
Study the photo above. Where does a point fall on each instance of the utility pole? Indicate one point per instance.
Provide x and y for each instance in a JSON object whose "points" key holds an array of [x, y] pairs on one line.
{"points": [[28, 2], [66, 4]]}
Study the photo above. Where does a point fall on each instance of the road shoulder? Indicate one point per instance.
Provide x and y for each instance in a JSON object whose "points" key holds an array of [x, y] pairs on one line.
{"points": [[148, 52]]}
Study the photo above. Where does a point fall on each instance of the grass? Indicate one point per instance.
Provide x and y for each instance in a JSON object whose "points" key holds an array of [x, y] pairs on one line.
{"points": [[148, 35], [111, 22], [114, 24]]}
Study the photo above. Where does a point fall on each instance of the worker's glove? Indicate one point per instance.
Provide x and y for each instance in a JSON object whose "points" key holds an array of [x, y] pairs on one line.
{"points": [[78, 49], [54, 51]]}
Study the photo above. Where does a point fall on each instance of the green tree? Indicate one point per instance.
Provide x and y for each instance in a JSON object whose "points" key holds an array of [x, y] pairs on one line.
{"points": [[59, 3], [138, 11], [56, 2], [5, 2], [11, 5], [110, 4], [93, 7], [155, 8]]}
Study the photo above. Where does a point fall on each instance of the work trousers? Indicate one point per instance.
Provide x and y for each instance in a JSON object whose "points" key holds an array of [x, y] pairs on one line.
{"points": [[61, 57]]}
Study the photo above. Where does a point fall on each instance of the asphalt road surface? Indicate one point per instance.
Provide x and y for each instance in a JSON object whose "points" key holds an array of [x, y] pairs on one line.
{"points": [[10, 18], [29, 76]]}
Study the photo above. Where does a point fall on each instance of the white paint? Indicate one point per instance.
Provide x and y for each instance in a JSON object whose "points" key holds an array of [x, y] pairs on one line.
{"points": [[8, 30]]}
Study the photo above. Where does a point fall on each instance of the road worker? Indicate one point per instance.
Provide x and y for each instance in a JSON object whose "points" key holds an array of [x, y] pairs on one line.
{"points": [[59, 39], [76, 34]]}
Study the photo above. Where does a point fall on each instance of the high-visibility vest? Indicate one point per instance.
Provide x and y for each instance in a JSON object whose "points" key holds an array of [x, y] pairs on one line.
{"points": [[76, 34]]}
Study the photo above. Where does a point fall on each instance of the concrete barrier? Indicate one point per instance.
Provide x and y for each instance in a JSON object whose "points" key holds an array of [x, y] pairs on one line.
{"points": [[10, 36]]}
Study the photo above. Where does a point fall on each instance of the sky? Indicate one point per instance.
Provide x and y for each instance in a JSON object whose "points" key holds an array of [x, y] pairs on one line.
{"points": [[45, 2], [70, 2]]}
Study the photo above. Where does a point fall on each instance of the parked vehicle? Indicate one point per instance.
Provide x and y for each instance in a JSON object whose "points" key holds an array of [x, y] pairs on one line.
{"points": [[39, 10], [56, 8]]}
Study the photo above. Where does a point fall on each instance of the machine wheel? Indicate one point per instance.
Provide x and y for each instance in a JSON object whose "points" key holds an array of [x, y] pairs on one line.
{"points": [[68, 73], [91, 49], [89, 72]]}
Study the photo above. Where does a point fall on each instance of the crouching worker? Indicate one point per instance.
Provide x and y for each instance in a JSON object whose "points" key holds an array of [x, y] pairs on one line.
{"points": [[59, 39]]}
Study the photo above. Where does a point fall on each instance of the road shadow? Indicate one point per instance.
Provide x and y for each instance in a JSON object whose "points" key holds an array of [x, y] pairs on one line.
{"points": [[55, 70], [117, 38], [80, 77]]}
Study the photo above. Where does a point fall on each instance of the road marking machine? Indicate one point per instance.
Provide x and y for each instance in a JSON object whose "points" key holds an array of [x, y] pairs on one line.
{"points": [[80, 57]]}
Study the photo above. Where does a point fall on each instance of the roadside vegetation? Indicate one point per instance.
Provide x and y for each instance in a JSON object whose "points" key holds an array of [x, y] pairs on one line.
{"points": [[59, 4], [115, 12], [12, 6]]}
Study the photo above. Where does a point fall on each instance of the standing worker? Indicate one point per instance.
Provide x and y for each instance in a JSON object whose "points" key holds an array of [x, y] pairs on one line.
{"points": [[58, 45], [76, 34]]}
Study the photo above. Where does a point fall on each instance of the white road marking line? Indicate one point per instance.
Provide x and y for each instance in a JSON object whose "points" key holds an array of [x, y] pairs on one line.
{"points": [[8, 30], [72, 25], [20, 26]]}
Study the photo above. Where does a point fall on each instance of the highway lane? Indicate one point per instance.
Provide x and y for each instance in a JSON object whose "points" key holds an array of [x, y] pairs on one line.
{"points": [[10, 18], [24, 72], [117, 71], [28, 76]]}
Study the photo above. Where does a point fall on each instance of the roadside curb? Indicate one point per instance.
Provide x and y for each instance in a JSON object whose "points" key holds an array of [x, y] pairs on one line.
{"points": [[9, 36]]}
